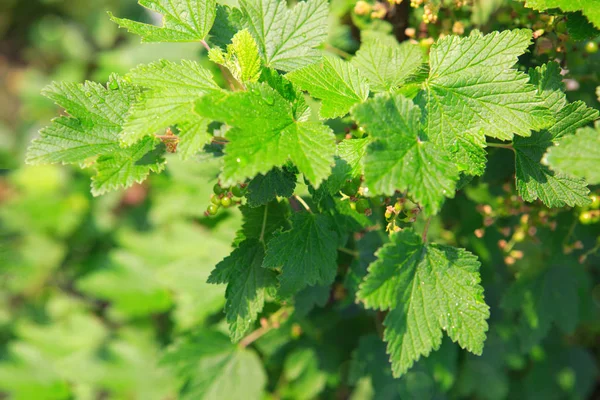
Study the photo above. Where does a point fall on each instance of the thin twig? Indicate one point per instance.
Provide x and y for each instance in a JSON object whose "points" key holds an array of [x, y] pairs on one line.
{"points": [[353, 253], [264, 224], [426, 229], [274, 322], [501, 145], [301, 201], [337, 51]]}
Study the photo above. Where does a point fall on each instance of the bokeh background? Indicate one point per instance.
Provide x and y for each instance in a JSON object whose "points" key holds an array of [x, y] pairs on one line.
{"points": [[93, 289]]}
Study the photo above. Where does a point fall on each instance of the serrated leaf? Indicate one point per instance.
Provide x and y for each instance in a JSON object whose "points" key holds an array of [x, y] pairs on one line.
{"points": [[264, 188], [306, 253], [169, 100], [533, 179], [348, 164], [580, 28], [589, 7], [92, 130], [247, 284], [242, 57], [96, 116], [387, 64], [399, 158], [337, 83], [536, 181], [121, 169], [473, 91], [183, 20], [193, 135], [548, 297], [211, 368], [578, 155], [428, 288], [262, 222], [286, 37], [265, 134]]}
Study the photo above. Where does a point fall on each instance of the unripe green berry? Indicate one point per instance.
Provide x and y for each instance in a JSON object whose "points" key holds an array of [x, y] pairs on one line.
{"points": [[398, 206], [225, 202], [351, 188], [212, 209], [217, 189], [586, 218], [215, 200], [595, 201], [388, 214], [591, 47], [362, 205], [238, 191]]}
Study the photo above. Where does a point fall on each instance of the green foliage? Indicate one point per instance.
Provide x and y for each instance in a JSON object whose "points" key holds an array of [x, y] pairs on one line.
{"points": [[336, 207], [589, 8], [184, 21]]}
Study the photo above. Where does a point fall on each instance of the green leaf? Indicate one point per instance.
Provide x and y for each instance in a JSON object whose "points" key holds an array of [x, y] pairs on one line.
{"points": [[428, 288], [262, 222], [589, 8], [286, 37], [242, 57], [168, 101], [542, 299], [578, 155], [183, 20], [121, 169], [265, 134], [579, 28], [473, 91], [533, 179], [265, 188], [247, 285], [337, 83], [92, 130], [399, 158], [92, 127], [385, 63], [537, 181], [348, 164], [306, 254], [211, 368]]}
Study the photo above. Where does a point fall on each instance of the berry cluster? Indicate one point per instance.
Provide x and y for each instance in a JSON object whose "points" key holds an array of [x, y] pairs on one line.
{"points": [[353, 191], [402, 212], [225, 197]]}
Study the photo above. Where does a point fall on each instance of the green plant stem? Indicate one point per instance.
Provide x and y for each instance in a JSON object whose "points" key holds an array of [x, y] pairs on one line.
{"points": [[304, 204], [275, 321], [501, 145], [353, 253], [426, 230], [231, 81]]}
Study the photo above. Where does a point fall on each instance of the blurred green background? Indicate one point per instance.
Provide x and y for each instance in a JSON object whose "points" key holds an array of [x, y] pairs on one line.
{"points": [[93, 289]]}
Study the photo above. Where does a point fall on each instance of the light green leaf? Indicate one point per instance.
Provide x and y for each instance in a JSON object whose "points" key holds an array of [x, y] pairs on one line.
{"points": [[183, 20], [336, 82], [428, 288], [247, 284], [533, 179], [537, 181], [385, 63], [589, 7], [193, 135], [265, 188], [169, 100], [265, 134], [286, 37], [121, 169], [306, 254], [92, 130], [211, 368], [92, 127], [473, 91], [578, 155], [242, 57], [399, 158]]}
